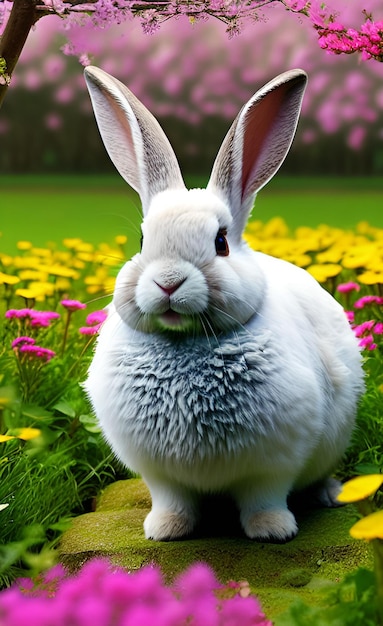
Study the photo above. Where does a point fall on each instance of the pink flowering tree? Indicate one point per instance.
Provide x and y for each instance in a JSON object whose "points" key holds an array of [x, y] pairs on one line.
{"points": [[331, 24]]}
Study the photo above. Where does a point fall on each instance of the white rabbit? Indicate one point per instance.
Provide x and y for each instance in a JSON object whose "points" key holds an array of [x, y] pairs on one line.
{"points": [[219, 369]]}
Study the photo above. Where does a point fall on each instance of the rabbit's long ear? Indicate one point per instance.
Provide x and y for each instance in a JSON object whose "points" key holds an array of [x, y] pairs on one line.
{"points": [[133, 138], [257, 143]]}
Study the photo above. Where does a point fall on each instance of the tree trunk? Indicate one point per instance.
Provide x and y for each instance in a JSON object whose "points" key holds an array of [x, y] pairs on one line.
{"points": [[23, 16]]}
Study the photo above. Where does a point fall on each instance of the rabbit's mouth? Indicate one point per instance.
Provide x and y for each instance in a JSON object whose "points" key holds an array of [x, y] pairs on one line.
{"points": [[173, 321]]}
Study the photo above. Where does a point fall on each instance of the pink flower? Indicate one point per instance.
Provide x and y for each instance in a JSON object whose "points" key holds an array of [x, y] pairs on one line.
{"points": [[365, 327], [366, 300], [347, 287], [97, 317], [37, 352], [350, 316], [72, 305], [37, 318], [18, 313], [368, 343], [43, 318], [89, 330], [22, 341], [378, 328]]}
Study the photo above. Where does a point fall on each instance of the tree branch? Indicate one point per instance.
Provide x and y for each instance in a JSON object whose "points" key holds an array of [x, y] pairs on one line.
{"points": [[24, 14]]}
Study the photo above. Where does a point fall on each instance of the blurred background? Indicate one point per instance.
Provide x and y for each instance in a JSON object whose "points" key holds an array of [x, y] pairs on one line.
{"points": [[194, 79]]}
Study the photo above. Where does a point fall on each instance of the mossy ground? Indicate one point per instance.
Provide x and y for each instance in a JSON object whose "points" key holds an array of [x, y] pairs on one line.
{"points": [[321, 554]]}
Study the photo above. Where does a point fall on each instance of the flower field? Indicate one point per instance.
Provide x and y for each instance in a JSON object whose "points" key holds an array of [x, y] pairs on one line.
{"points": [[53, 461]]}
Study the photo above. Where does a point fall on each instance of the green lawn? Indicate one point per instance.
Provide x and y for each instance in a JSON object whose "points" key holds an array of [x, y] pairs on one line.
{"points": [[43, 209]]}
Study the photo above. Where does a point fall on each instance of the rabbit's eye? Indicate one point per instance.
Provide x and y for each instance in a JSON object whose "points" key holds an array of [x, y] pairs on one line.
{"points": [[141, 241], [221, 245]]}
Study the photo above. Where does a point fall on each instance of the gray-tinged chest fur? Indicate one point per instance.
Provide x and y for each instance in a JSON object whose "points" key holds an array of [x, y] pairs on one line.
{"points": [[190, 400]]}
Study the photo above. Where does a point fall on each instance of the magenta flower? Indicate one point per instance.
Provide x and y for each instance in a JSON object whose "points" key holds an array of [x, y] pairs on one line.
{"points": [[95, 321], [72, 305], [367, 343], [89, 330], [350, 316], [348, 287], [366, 300], [100, 595], [362, 329], [37, 318], [378, 328], [23, 341], [37, 352], [97, 317], [43, 318], [18, 313]]}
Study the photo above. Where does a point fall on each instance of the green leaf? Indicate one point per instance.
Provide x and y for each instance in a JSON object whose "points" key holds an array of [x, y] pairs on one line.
{"points": [[90, 423], [63, 407], [36, 413]]}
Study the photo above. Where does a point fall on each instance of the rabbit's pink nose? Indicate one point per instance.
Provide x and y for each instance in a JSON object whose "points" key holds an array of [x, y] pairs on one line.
{"points": [[169, 289]]}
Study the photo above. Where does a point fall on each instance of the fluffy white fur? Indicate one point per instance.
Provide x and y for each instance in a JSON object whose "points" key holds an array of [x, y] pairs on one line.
{"points": [[214, 373]]}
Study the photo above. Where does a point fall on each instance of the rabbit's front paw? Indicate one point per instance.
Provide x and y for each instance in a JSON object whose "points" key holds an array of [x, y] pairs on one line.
{"points": [[167, 525], [273, 526]]}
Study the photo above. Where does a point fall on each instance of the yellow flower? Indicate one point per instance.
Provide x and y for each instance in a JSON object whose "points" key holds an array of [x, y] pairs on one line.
{"points": [[42, 252], [368, 528], [359, 256], [30, 294], [43, 288], [8, 279], [360, 488], [276, 227], [62, 284], [4, 438], [121, 240], [59, 270], [371, 278], [29, 274], [72, 242], [24, 245], [322, 272], [28, 433]]}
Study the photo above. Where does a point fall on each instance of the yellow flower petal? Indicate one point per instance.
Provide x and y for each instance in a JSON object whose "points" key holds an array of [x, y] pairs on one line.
{"points": [[322, 272], [4, 438], [121, 239], [24, 245], [368, 528], [360, 488], [28, 433], [8, 279]]}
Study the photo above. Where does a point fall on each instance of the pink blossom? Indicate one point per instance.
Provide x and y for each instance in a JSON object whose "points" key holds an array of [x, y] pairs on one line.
{"points": [[37, 352], [366, 300], [364, 328], [350, 316], [367, 343], [20, 341], [89, 330], [97, 317], [43, 318], [347, 287], [72, 305], [378, 328], [37, 318], [99, 596]]}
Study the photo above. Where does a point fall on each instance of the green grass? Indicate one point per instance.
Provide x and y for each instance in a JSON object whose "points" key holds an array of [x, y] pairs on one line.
{"points": [[97, 208]]}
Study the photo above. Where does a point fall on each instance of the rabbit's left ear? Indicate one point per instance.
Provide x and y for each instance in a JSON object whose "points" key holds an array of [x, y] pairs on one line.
{"points": [[257, 144], [134, 140]]}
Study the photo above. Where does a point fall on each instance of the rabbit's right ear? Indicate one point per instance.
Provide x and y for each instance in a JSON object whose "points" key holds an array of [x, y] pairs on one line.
{"points": [[133, 138]]}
